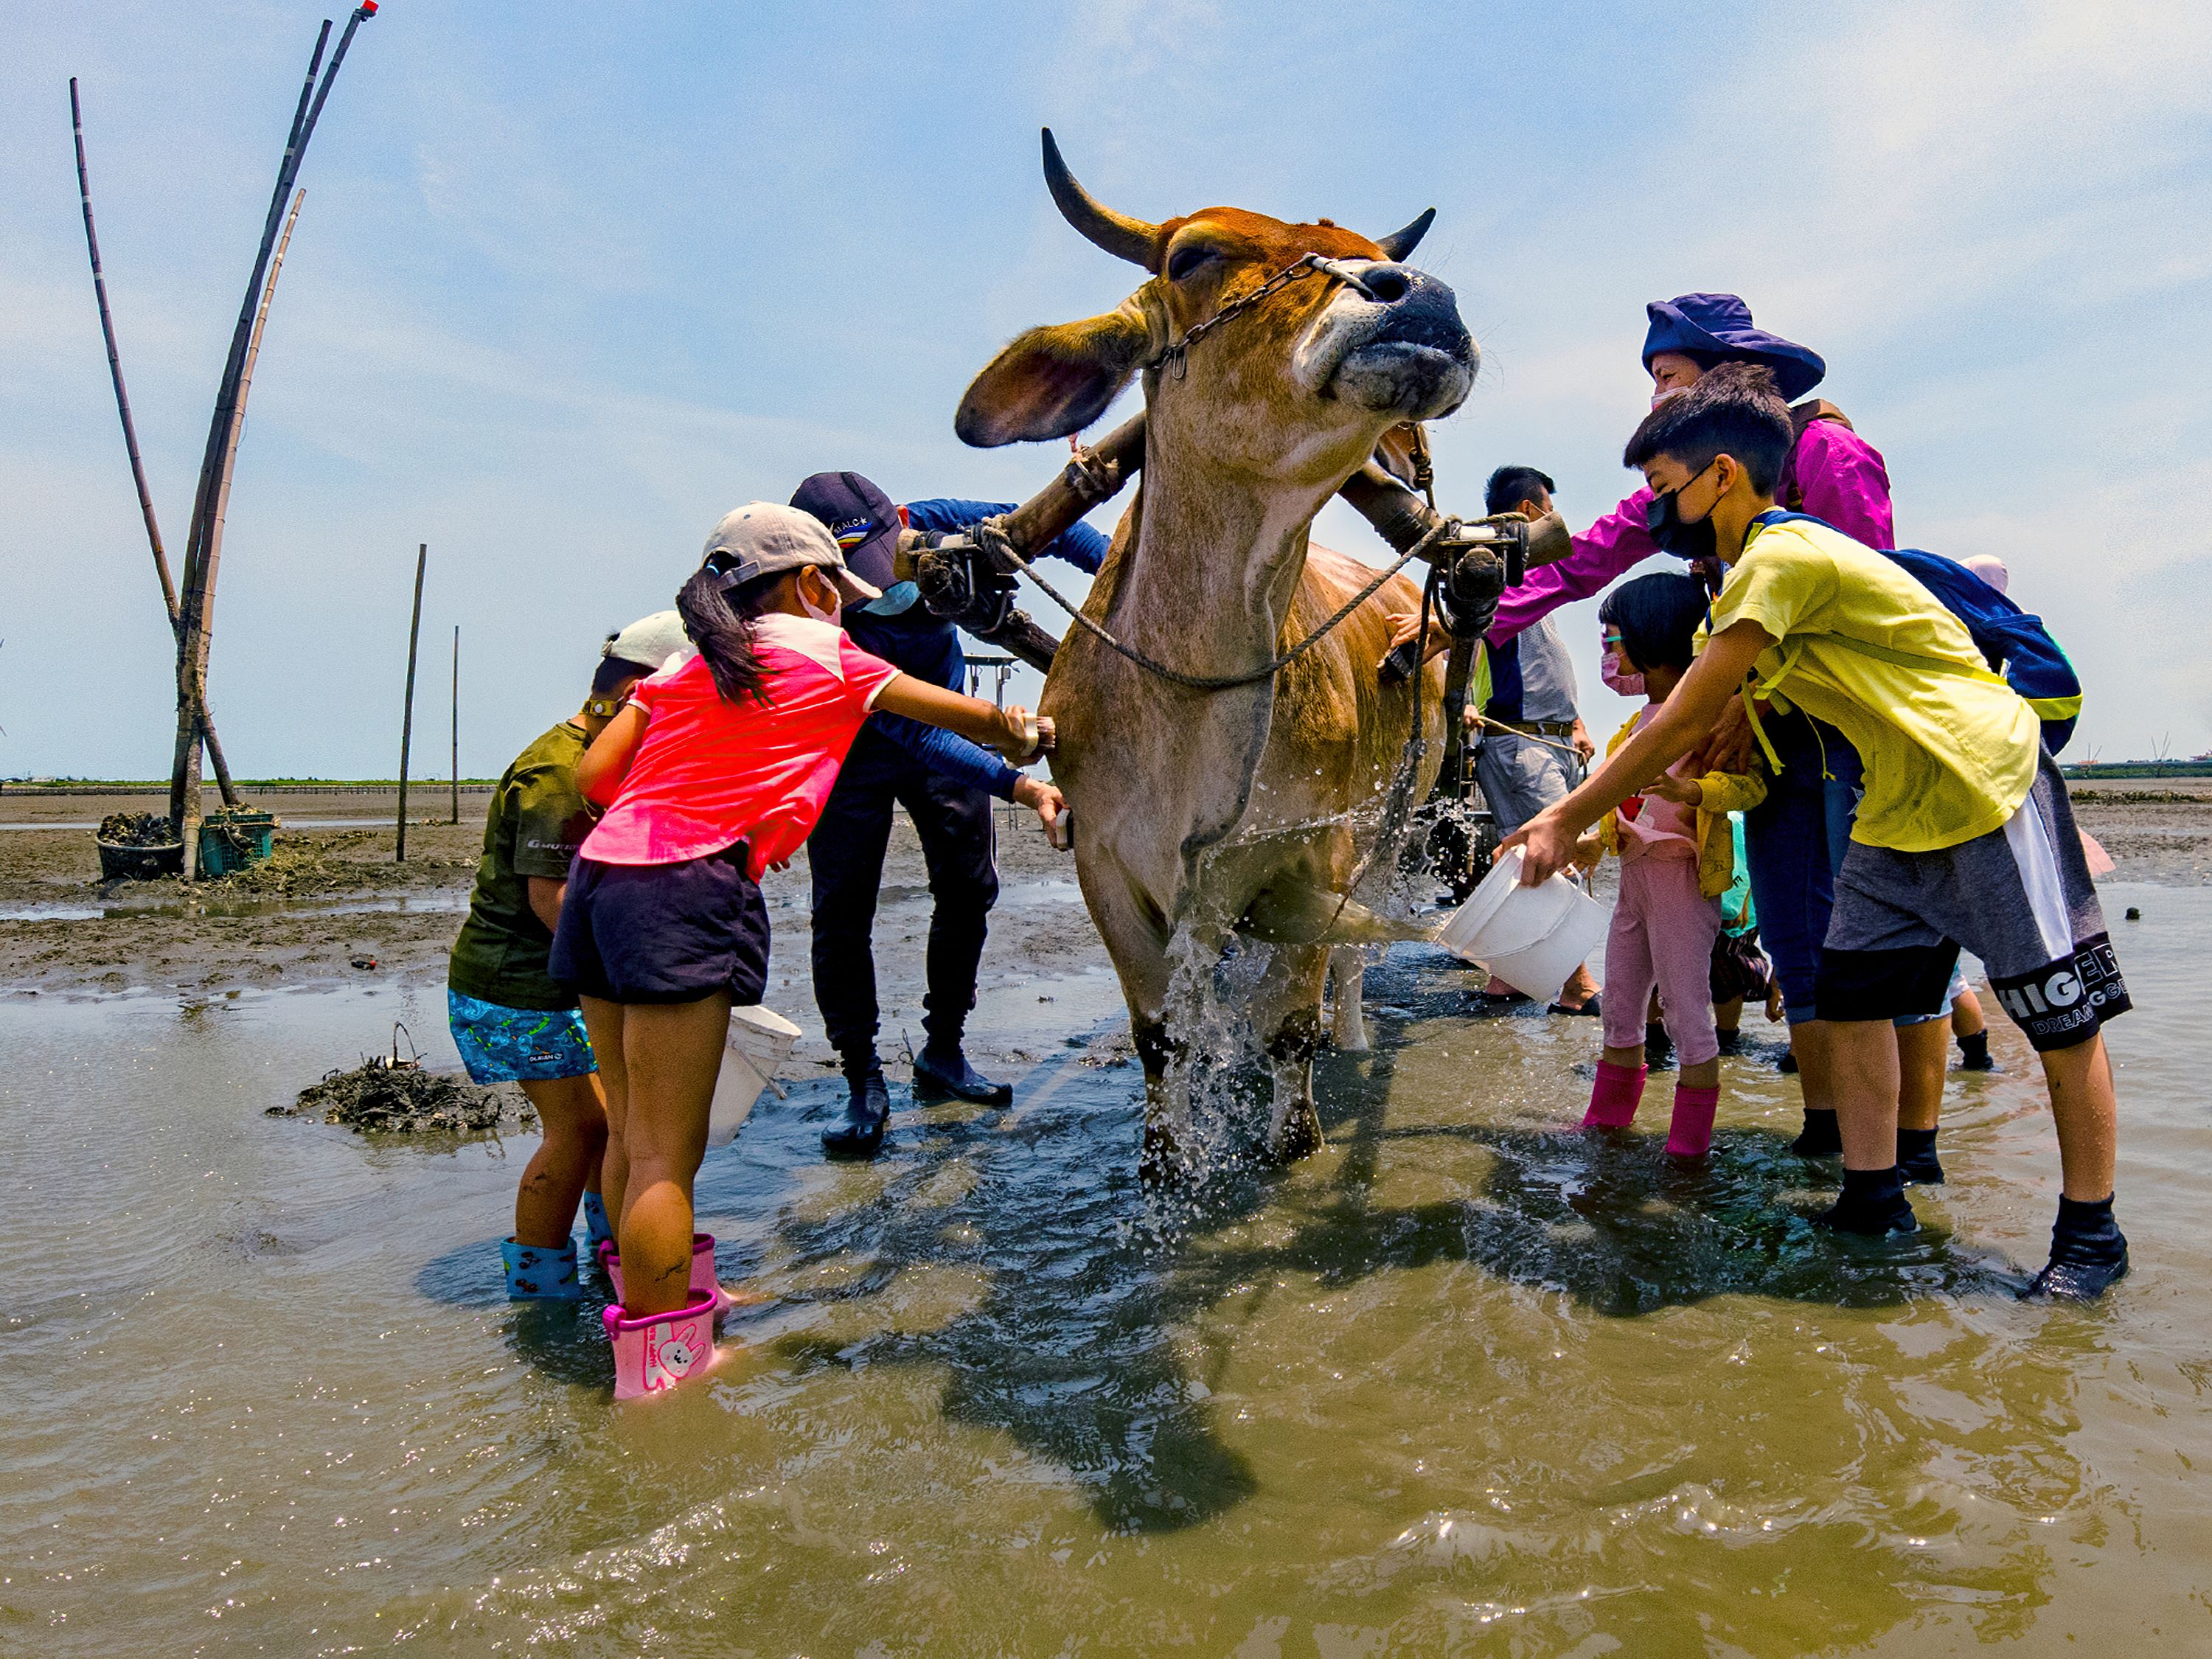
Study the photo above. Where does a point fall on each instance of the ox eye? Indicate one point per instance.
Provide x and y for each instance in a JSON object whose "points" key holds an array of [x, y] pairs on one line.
{"points": [[1187, 260]]}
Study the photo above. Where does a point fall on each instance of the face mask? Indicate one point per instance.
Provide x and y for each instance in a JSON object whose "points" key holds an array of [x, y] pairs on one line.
{"points": [[898, 599], [1617, 678], [1662, 518], [815, 610]]}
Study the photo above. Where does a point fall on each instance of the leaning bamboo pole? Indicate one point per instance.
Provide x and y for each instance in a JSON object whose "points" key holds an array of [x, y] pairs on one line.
{"points": [[204, 551], [131, 434]]}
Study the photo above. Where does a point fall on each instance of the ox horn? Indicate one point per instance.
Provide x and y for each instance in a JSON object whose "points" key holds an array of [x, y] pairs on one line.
{"points": [[1119, 234], [1401, 244]]}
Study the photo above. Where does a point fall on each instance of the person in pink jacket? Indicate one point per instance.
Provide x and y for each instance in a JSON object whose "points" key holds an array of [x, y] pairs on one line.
{"points": [[1833, 473], [1796, 836]]}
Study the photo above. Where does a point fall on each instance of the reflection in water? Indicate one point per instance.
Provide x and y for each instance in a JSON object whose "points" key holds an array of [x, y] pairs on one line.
{"points": [[1465, 1382]]}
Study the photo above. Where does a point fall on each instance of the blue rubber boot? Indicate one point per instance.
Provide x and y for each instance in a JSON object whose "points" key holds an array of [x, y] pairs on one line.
{"points": [[536, 1274], [596, 1230]]}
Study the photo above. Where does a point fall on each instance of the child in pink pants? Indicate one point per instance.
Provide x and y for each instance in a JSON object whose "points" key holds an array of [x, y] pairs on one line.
{"points": [[1677, 857]]}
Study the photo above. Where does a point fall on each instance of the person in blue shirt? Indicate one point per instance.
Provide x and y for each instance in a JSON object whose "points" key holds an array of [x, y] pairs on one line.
{"points": [[946, 785]]}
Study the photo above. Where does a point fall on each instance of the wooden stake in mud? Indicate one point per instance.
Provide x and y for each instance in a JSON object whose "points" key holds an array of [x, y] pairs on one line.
{"points": [[456, 818], [407, 719]]}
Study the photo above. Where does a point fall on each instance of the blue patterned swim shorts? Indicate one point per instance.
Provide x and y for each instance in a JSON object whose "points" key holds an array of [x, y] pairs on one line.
{"points": [[517, 1045]]}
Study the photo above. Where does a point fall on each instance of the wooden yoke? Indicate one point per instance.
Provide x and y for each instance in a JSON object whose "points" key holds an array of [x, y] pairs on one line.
{"points": [[1101, 470]]}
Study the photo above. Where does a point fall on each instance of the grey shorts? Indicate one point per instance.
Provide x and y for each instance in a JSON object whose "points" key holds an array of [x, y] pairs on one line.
{"points": [[2021, 898], [1520, 777]]}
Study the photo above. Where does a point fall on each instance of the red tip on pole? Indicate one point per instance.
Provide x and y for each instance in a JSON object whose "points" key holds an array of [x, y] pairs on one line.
{"points": [[368, 8]]}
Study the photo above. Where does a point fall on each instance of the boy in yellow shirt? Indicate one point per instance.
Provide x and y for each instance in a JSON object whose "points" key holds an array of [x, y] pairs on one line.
{"points": [[1965, 835]]}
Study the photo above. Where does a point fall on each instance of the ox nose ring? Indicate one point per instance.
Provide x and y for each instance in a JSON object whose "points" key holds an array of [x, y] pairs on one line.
{"points": [[1388, 284], [1357, 280]]}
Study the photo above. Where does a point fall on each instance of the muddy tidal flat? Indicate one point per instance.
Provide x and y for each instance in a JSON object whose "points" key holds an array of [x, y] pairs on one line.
{"points": [[1466, 1381]]}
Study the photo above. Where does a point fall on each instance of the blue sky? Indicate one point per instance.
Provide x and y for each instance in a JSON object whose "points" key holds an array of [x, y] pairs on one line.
{"points": [[572, 281]]}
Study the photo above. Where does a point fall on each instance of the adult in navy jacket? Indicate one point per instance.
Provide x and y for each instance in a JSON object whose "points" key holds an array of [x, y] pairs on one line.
{"points": [[946, 785]]}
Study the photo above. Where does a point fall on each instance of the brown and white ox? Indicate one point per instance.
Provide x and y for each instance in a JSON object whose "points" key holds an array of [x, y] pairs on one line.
{"points": [[1202, 814]]}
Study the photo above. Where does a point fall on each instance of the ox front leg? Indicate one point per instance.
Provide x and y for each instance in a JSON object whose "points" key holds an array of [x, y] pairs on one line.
{"points": [[1165, 1156], [1294, 1035], [1347, 973]]}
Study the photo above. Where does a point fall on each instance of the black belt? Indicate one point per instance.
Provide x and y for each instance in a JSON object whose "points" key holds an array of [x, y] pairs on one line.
{"points": [[1535, 728]]}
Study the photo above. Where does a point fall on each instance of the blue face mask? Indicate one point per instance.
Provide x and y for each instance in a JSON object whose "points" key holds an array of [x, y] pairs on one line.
{"points": [[897, 598]]}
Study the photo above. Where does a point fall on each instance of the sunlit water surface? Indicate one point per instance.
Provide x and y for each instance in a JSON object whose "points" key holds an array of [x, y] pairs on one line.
{"points": [[1466, 1381]]}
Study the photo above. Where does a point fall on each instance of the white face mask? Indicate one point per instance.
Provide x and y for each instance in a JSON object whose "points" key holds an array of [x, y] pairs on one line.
{"points": [[815, 610]]}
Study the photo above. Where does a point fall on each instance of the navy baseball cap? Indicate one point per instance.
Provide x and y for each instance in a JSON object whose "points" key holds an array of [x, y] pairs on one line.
{"points": [[863, 520]]}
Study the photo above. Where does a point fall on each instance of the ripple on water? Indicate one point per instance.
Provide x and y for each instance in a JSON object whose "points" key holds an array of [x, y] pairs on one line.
{"points": [[1465, 1382]]}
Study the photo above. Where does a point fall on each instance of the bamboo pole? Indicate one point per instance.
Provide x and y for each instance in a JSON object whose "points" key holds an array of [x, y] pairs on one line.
{"points": [[203, 549], [129, 426], [457, 724], [191, 603], [211, 550], [407, 718]]}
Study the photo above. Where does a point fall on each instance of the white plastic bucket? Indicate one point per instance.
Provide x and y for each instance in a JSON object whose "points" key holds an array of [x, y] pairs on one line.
{"points": [[1532, 938], [759, 1043]]}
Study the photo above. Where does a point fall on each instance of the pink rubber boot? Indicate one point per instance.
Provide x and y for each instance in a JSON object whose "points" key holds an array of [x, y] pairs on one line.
{"points": [[611, 1265], [702, 1270], [654, 1352], [1691, 1132], [1614, 1097]]}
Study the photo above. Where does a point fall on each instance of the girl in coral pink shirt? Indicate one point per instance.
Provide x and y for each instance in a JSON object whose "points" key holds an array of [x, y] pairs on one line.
{"points": [[713, 773]]}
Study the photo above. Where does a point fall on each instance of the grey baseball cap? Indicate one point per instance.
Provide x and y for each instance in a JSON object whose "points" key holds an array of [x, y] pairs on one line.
{"points": [[651, 642], [765, 538]]}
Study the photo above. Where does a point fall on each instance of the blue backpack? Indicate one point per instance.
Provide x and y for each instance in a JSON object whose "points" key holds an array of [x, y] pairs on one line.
{"points": [[2014, 643]]}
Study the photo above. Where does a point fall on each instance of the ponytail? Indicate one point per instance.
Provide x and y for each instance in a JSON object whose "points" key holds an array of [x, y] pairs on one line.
{"points": [[719, 621]]}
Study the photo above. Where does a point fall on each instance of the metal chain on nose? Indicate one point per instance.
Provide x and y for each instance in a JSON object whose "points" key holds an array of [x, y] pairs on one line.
{"points": [[1178, 356]]}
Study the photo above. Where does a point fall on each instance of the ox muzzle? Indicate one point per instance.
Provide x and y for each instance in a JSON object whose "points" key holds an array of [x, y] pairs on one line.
{"points": [[1393, 344]]}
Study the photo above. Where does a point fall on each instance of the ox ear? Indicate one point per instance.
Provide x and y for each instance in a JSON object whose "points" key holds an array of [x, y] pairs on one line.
{"points": [[1057, 380]]}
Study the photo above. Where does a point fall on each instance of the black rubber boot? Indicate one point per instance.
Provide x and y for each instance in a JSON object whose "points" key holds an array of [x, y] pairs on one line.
{"points": [[1916, 1157], [2089, 1254], [1820, 1138], [1872, 1205], [1788, 1064], [1731, 1041], [937, 1077], [1974, 1053], [860, 1134], [1658, 1047]]}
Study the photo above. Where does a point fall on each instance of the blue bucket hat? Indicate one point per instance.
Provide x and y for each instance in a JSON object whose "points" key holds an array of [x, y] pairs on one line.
{"points": [[1716, 328]]}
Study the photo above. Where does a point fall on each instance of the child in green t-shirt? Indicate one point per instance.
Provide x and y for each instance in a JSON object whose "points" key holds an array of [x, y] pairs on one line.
{"points": [[1965, 835], [510, 1021]]}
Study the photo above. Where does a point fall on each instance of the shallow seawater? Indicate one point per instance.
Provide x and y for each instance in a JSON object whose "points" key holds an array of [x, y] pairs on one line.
{"points": [[1464, 1382]]}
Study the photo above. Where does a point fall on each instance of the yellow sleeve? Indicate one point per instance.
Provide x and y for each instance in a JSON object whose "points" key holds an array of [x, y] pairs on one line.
{"points": [[1730, 792], [1781, 581]]}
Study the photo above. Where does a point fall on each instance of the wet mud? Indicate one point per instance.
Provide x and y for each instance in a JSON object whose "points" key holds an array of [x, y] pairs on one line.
{"points": [[380, 1097], [329, 900]]}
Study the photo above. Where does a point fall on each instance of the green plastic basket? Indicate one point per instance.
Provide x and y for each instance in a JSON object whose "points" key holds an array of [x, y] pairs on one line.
{"points": [[234, 839]]}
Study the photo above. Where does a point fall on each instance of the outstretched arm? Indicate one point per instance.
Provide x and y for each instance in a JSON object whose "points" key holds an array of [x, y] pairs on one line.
{"points": [[1608, 548], [1005, 731], [1547, 841]]}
